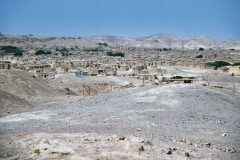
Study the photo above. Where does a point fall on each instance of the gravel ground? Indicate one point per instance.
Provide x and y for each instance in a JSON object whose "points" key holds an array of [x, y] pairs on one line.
{"points": [[179, 121]]}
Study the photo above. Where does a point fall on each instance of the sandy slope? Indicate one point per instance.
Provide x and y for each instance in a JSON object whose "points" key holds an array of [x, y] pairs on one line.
{"points": [[23, 84], [17, 87]]}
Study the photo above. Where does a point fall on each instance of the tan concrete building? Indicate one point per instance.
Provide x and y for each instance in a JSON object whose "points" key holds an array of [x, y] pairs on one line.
{"points": [[5, 65], [235, 70]]}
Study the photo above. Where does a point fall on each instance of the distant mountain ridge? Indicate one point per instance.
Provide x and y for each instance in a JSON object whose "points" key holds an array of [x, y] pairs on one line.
{"points": [[152, 41]]}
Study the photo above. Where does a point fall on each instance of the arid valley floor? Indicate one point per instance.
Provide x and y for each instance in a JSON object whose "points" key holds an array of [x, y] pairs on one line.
{"points": [[109, 98]]}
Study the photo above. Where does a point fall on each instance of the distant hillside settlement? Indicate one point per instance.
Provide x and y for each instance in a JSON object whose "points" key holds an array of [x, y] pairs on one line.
{"points": [[155, 64]]}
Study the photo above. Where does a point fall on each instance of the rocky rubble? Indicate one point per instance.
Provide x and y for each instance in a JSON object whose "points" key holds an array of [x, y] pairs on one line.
{"points": [[176, 121]]}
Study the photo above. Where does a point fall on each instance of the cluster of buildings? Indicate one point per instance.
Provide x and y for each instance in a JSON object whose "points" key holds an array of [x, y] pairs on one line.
{"points": [[140, 63]]}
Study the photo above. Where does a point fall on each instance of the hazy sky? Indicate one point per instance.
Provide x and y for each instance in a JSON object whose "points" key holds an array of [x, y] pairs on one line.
{"points": [[130, 18]]}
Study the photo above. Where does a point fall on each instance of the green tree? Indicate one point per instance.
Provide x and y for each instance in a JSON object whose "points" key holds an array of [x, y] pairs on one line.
{"points": [[120, 54], [11, 49], [41, 52], [218, 64]]}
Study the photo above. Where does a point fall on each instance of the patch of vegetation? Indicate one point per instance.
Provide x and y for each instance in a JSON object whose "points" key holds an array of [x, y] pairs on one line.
{"points": [[65, 153], [201, 49], [117, 54], [37, 151], [103, 44], [217, 64], [62, 49], [199, 56], [158, 49], [165, 49], [177, 77], [61, 153], [41, 52], [91, 49], [236, 64], [11, 49]]}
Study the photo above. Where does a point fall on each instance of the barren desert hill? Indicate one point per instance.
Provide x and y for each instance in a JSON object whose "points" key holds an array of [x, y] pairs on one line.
{"points": [[16, 89], [23, 84], [10, 103], [152, 41]]}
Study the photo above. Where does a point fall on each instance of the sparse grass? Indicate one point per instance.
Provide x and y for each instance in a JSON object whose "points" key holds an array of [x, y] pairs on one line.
{"points": [[54, 152], [37, 151], [218, 87], [61, 153], [65, 153]]}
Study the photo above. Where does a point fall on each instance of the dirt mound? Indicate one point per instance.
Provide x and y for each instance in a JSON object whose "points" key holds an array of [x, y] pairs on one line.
{"points": [[10, 103], [23, 84], [17, 88]]}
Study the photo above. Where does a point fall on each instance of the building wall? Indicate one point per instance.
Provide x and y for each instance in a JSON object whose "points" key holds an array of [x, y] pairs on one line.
{"points": [[5, 65], [235, 70]]}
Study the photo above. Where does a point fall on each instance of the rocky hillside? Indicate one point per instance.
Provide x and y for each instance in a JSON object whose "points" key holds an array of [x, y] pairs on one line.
{"points": [[153, 41]]}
